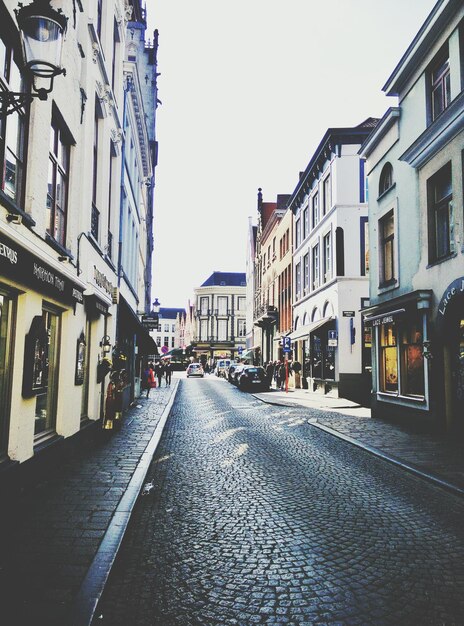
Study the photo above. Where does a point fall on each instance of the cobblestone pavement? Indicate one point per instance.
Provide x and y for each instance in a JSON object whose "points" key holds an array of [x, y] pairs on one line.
{"points": [[57, 527], [257, 517]]}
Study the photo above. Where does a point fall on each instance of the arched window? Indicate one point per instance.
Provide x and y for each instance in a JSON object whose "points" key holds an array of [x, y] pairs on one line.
{"points": [[386, 178], [327, 310], [315, 314]]}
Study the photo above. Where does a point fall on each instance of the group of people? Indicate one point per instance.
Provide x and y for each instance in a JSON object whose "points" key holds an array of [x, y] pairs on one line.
{"points": [[156, 372], [277, 371]]}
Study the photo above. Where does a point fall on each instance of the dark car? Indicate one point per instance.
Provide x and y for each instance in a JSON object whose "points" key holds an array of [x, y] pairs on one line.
{"points": [[231, 371], [252, 377], [236, 373]]}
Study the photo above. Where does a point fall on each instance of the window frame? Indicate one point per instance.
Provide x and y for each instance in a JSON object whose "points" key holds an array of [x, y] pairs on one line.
{"points": [[442, 81], [59, 167], [387, 242], [440, 206]]}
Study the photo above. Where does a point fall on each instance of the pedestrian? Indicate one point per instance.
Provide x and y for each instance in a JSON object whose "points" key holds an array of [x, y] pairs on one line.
{"points": [[269, 373], [168, 373], [149, 381], [277, 374], [282, 375], [159, 371]]}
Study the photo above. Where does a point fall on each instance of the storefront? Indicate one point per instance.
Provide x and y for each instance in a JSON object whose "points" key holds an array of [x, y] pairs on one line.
{"points": [[400, 339], [449, 339], [41, 310], [315, 347]]}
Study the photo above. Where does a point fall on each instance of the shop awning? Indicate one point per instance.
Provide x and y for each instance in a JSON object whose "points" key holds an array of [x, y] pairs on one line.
{"points": [[129, 319], [304, 331], [383, 318]]}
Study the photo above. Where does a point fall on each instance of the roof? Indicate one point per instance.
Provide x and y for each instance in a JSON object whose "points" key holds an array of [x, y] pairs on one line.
{"points": [[226, 279], [332, 137], [170, 313]]}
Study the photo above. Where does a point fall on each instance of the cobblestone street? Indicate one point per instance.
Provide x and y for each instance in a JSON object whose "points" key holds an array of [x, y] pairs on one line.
{"points": [[257, 517]]}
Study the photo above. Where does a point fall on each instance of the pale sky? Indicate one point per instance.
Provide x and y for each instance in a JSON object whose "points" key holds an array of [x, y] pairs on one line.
{"points": [[248, 89]]}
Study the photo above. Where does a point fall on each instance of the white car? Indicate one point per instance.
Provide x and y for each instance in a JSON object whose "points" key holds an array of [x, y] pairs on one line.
{"points": [[195, 369]]}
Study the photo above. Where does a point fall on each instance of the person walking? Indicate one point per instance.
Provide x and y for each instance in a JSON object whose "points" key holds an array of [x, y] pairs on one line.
{"points": [[168, 373], [159, 371], [269, 373], [149, 381]]}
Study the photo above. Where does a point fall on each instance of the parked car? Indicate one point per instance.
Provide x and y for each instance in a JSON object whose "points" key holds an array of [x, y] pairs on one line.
{"points": [[236, 373], [195, 369], [221, 366], [231, 370], [252, 377]]}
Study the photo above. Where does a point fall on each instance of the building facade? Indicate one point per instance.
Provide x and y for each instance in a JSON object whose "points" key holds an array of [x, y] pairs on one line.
{"points": [[330, 264], [220, 314], [167, 335], [60, 235], [415, 172]]}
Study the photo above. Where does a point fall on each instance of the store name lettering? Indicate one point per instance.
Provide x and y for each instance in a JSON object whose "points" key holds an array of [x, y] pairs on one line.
{"points": [[388, 319], [449, 295], [48, 277], [8, 253], [77, 295], [102, 281]]}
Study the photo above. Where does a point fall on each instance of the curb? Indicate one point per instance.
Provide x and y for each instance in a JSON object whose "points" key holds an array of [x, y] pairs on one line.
{"points": [[91, 589], [438, 482]]}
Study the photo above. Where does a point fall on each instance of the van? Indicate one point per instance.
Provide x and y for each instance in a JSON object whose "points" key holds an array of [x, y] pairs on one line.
{"points": [[221, 366]]}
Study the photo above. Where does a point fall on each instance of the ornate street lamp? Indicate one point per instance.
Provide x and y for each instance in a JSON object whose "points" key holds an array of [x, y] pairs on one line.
{"points": [[42, 30]]}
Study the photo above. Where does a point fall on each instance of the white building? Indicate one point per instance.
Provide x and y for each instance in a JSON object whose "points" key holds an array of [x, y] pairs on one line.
{"points": [[220, 311], [167, 332], [330, 261], [61, 272], [415, 172]]}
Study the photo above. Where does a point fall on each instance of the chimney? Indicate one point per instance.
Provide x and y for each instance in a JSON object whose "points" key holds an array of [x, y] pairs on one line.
{"points": [[260, 200]]}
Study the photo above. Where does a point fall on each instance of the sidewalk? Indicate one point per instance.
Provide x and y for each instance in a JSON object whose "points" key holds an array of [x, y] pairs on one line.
{"points": [[432, 457], [64, 535]]}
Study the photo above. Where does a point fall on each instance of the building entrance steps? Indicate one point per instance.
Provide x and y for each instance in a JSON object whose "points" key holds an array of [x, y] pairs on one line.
{"points": [[438, 458]]}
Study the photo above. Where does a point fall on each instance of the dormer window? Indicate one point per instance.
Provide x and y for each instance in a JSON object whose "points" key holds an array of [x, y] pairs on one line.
{"points": [[386, 178]]}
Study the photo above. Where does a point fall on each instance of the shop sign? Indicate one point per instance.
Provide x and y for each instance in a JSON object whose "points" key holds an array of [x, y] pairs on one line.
{"points": [[24, 267], [386, 319], [102, 281], [348, 313], [456, 288]]}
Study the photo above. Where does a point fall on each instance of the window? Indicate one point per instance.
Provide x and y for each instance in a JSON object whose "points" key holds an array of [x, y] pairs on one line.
{"points": [[241, 304], [166, 342], [305, 223], [222, 305], [7, 318], [401, 364], [158, 341], [203, 330], [297, 233], [46, 374], [298, 281], [306, 273], [204, 306], [222, 330], [386, 178], [364, 227], [172, 342], [440, 85], [387, 237], [441, 219], [327, 257], [315, 266], [95, 220], [57, 194], [166, 328], [327, 189], [241, 332], [173, 328], [388, 358], [315, 209], [340, 250], [12, 127]]}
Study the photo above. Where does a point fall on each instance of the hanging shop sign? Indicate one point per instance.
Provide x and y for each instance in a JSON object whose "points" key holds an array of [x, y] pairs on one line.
{"points": [[24, 267]]}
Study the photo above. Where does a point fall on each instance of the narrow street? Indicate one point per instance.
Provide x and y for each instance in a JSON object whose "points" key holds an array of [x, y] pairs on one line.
{"points": [[256, 516]]}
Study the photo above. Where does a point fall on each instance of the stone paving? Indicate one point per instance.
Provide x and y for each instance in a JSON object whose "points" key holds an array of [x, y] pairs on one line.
{"points": [[436, 456], [257, 517], [58, 527]]}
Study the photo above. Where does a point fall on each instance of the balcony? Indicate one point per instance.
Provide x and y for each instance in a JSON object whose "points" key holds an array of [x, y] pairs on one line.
{"points": [[266, 314]]}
